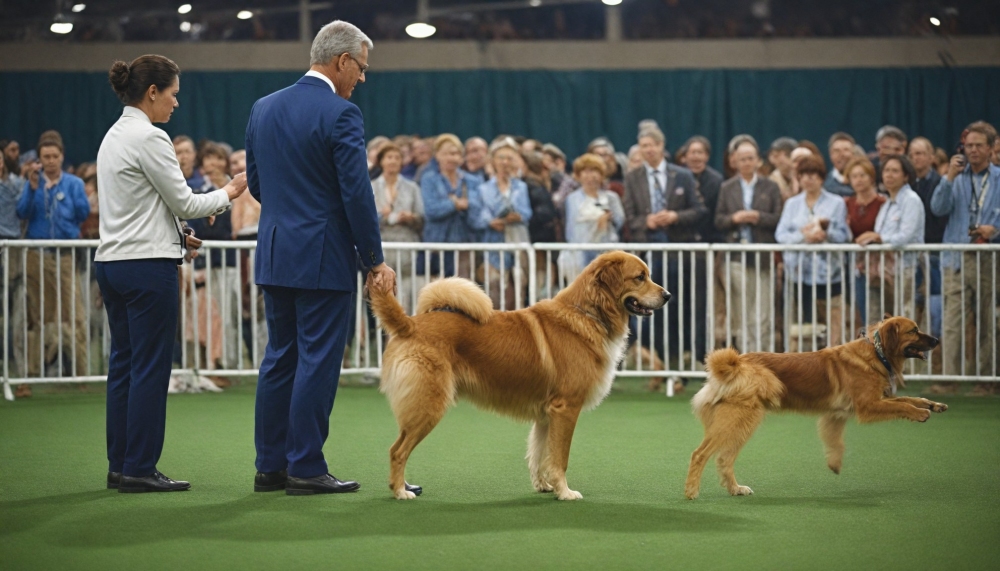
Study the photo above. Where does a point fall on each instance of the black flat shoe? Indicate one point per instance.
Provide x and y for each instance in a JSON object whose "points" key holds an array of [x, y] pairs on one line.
{"points": [[324, 484], [114, 479], [270, 481], [417, 490], [155, 482]]}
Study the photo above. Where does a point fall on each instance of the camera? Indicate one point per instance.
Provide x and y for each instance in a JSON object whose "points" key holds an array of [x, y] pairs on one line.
{"points": [[504, 212]]}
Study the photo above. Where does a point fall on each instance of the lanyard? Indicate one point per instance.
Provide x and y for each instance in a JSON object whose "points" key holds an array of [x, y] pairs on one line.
{"points": [[976, 204]]}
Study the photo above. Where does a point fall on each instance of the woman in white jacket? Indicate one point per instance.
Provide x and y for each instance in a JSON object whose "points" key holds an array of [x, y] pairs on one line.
{"points": [[143, 193]]}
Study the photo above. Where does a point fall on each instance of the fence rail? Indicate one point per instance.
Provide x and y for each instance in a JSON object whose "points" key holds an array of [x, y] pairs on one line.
{"points": [[766, 297]]}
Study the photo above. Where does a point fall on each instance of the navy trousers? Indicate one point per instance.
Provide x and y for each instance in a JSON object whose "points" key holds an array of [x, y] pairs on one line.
{"points": [[140, 297], [307, 331]]}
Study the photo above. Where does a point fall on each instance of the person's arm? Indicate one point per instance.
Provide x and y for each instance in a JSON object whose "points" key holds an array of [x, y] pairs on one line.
{"points": [[693, 201], [769, 219], [943, 199], [911, 225], [570, 205], [351, 160], [159, 163], [635, 219], [787, 232], [479, 216], [522, 204], [437, 204], [723, 215], [838, 231], [26, 204], [617, 211], [81, 206], [253, 178]]}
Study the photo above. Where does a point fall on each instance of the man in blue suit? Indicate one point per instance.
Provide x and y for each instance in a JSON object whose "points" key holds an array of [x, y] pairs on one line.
{"points": [[306, 164]]}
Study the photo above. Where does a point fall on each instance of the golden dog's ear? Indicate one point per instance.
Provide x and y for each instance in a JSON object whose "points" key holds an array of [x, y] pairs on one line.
{"points": [[608, 275], [886, 316], [890, 338]]}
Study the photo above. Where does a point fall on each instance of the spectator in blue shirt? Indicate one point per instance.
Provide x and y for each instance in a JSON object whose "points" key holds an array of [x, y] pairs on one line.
{"points": [[501, 211], [841, 149], [815, 216], [53, 202], [446, 194], [900, 221], [969, 195]]}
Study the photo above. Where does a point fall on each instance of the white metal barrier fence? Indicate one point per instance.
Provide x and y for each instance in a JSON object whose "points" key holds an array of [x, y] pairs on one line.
{"points": [[763, 297]]}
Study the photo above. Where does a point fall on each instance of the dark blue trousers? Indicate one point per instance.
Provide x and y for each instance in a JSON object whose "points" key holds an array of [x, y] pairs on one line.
{"points": [[307, 331], [140, 297]]}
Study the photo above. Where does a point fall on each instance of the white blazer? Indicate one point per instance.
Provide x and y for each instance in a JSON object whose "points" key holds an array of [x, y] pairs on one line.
{"points": [[142, 193]]}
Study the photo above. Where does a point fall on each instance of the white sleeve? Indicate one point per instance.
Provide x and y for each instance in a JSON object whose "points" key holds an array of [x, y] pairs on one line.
{"points": [[159, 163]]}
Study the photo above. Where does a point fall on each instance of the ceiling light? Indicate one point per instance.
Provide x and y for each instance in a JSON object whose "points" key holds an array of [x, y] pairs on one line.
{"points": [[935, 21], [77, 8], [612, 2], [420, 30], [185, 27], [244, 14], [61, 27], [183, 8], [534, 3]]}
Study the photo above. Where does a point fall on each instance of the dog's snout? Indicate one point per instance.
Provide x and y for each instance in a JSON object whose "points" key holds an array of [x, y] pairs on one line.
{"points": [[666, 296], [934, 341]]}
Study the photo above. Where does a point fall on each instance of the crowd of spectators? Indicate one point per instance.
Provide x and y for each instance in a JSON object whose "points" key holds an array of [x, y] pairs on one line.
{"points": [[515, 189]]}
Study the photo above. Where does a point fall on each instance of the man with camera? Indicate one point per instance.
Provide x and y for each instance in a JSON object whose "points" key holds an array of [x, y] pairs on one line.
{"points": [[969, 194]]}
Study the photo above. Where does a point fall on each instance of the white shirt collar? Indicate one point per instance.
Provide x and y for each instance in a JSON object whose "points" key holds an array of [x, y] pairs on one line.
{"points": [[744, 182], [314, 73], [838, 177], [131, 111], [662, 167]]}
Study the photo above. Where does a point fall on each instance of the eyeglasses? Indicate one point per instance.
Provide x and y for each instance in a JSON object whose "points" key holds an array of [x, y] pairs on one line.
{"points": [[361, 66]]}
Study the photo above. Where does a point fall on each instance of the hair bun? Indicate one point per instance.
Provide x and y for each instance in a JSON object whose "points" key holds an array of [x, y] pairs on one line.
{"points": [[119, 76]]}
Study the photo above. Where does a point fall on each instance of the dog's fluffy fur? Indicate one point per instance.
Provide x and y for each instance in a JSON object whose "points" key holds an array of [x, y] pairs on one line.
{"points": [[543, 364], [836, 382]]}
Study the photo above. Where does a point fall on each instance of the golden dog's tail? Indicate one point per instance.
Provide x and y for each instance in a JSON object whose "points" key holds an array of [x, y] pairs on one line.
{"points": [[733, 378], [458, 295], [387, 308]]}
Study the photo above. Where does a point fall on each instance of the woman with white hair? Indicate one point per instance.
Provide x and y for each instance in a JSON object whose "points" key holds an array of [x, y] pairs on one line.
{"points": [[501, 211]]}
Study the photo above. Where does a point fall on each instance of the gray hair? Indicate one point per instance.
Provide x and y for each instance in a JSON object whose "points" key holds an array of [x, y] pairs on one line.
{"points": [[738, 140], [653, 133], [890, 131], [336, 38]]}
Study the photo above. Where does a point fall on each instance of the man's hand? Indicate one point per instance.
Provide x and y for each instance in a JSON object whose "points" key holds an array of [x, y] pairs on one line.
{"points": [[983, 232], [670, 217], [191, 243], [236, 186], [497, 224], [868, 238], [32, 169], [383, 277], [955, 167]]}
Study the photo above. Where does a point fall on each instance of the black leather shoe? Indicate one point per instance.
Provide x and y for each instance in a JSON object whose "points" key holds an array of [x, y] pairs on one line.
{"points": [[417, 490], [270, 481], [325, 484], [114, 479], [155, 482]]}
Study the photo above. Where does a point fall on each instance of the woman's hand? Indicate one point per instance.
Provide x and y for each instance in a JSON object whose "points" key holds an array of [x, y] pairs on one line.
{"points": [[191, 243], [512, 218], [868, 238], [602, 222], [497, 224], [236, 186]]}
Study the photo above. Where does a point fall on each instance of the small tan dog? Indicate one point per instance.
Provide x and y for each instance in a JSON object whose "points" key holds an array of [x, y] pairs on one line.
{"points": [[855, 379], [544, 364]]}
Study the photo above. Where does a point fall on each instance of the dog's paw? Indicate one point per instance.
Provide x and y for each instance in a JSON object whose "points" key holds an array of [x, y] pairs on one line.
{"points": [[938, 407], [404, 495], [922, 415], [741, 491], [835, 468], [691, 494], [569, 494], [542, 486]]}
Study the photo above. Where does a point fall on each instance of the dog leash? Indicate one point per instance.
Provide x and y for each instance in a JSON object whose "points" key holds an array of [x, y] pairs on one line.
{"points": [[881, 357]]}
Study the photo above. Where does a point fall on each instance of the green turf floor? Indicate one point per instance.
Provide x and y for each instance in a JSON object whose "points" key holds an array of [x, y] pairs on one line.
{"points": [[911, 496]]}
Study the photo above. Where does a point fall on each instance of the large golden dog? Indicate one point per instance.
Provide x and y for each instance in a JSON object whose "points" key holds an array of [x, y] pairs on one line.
{"points": [[543, 364], [855, 379]]}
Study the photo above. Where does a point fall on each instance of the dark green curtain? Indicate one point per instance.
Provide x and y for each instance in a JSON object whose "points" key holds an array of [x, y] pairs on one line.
{"points": [[568, 108]]}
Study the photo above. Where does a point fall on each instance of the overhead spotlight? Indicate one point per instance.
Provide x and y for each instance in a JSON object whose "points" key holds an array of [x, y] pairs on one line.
{"points": [[185, 27], [612, 2], [534, 3], [61, 25], [183, 8], [244, 14], [77, 8], [935, 21], [420, 30]]}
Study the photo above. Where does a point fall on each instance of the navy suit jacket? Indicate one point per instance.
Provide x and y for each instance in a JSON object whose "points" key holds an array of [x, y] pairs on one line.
{"points": [[307, 166]]}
